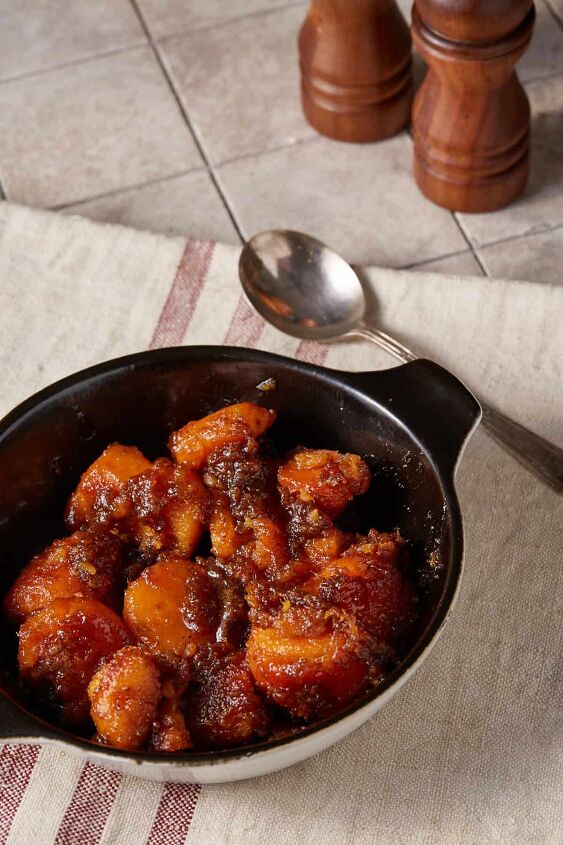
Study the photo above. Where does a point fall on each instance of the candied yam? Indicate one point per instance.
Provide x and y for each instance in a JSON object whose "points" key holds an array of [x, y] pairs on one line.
{"points": [[235, 424], [165, 608], [225, 539], [86, 564], [222, 705], [326, 546], [169, 732], [94, 498], [366, 582], [325, 479], [270, 548], [164, 509], [309, 675], [62, 645], [124, 695]]}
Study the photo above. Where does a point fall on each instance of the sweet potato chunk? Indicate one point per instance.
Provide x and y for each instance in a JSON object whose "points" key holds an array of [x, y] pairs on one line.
{"points": [[169, 732], [62, 645], [233, 425], [310, 660], [93, 500], [225, 538], [172, 608], [366, 582], [223, 707], [124, 695], [163, 509], [328, 480], [85, 564]]}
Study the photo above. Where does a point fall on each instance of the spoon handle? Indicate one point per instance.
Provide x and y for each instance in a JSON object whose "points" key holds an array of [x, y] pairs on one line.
{"points": [[538, 455]]}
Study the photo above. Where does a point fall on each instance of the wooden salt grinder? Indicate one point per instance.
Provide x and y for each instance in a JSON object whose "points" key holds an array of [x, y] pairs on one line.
{"points": [[355, 58], [471, 117]]}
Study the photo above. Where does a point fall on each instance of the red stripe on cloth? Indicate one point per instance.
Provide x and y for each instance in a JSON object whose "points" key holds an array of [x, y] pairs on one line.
{"points": [[313, 353], [183, 295], [174, 814], [86, 816], [16, 765], [246, 326]]}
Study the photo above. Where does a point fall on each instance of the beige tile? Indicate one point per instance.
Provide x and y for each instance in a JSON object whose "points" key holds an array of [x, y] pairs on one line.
{"points": [[38, 34], [239, 83], [461, 264], [101, 126], [187, 205], [544, 56], [361, 199], [541, 205], [170, 17], [535, 258]]}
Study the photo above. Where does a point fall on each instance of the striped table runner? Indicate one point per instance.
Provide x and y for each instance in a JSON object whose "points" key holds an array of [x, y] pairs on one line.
{"points": [[470, 751]]}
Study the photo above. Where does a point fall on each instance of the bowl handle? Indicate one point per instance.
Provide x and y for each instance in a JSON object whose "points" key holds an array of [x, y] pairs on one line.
{"points": [[431, 402]]}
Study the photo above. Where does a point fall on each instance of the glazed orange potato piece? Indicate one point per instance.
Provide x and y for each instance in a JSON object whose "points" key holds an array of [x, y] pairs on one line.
{"points": [[93, 500], [163, 509], [124, 695], [308, 658], [85, 564], [366, 582], [171, 608], [329, 480], [169, 731], [246, 608], [224, 708], [233, 425], [62, 645]]}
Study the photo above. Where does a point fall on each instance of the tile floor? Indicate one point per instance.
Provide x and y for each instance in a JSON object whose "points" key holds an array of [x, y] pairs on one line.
{"points": [[183, 116]]}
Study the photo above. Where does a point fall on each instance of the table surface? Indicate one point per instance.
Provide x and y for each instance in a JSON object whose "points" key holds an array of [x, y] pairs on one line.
{"points": [[183, 117]]}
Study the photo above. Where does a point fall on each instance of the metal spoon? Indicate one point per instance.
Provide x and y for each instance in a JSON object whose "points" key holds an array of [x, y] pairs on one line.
{"points": [[308, 291]]}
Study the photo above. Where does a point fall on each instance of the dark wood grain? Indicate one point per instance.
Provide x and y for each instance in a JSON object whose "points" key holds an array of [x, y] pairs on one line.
{"points": [[471, 117], [355, 58]]}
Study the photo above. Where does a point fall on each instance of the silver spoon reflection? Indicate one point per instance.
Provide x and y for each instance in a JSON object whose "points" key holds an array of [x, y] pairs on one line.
{"points": [[307, 290]]}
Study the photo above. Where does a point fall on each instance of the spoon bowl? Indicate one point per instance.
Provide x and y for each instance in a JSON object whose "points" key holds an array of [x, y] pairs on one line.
{"points": [[301, 286]]}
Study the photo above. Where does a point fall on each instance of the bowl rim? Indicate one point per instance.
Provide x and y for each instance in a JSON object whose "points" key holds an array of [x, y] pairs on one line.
{"points": [[206, 353]]}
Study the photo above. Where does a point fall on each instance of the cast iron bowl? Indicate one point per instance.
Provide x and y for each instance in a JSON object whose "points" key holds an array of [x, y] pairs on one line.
{"points": [[410, 422]]}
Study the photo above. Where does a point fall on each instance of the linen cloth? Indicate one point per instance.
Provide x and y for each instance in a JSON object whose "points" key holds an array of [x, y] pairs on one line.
{"points": [[470, 750]]}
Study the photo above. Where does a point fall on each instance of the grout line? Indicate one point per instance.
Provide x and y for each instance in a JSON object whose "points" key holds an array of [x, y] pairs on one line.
{"points": [[186, 117], [435, 258], [267, 150], [543, 231], [73, 62], [467, 240], [136, 187], [225, 22]]}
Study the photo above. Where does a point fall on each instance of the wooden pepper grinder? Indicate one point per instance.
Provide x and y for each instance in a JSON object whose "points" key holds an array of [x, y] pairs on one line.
{"points": [[471, 117], [356, 82]]}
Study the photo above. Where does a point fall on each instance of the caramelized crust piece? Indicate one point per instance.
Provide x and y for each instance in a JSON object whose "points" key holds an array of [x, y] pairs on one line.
{"points": [[311, 659], [163, 509], [62, 645], [171, 608], [222, 706], [225, 538], [329, 480], [233, 425], [366, 582], [124, 694], [169, 732], [93, 500], [85, 564]]}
